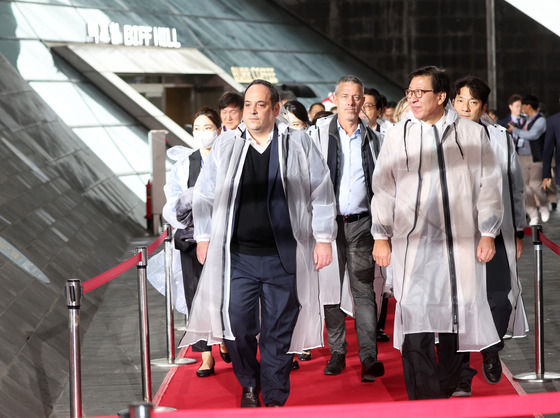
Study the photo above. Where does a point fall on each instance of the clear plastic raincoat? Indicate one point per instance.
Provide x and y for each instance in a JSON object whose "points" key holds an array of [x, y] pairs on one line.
{"points": [[312, 209], [514, 218], [435, 197]]}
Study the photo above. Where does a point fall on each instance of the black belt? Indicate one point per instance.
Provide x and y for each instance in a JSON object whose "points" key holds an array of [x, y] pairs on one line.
{"points": [[352, 217]]}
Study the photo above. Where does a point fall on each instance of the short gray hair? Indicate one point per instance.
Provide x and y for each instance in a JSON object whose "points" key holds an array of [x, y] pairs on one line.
{"points": [[349, 79]]}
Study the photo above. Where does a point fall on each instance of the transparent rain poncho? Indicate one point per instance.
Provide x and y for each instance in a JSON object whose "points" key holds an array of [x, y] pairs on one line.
{"points": [[408, 207], [513, 187], [311, 205]]}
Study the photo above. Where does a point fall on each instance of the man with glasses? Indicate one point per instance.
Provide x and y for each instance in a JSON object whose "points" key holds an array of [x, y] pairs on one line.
{"points": [[436, 208], [371, 111], [350, 148]]}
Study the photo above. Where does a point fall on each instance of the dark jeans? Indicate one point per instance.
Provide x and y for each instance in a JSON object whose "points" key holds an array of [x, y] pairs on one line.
{"points": [[355, 244], [425, 376], [261, 281]]}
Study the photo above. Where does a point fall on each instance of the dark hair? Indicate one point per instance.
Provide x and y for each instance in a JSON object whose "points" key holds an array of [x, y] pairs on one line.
{"points": [[531, 100], [210, 114], [376, 97], [383, 101], [479, 89], [514, 98], [440, 79], [391, 104], [320, 114], [316, 104], [230, 98], [349, 79], [287, 95], [274, 96], [298, 110]]}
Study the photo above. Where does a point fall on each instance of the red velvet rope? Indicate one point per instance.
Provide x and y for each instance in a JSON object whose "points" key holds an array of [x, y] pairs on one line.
{"points": [[553, 247], [110, 274]]}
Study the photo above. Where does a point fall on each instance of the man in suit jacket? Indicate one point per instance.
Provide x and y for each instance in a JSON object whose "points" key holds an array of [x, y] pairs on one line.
{"points": [[515, 117], [264, 217], [551, 144]]}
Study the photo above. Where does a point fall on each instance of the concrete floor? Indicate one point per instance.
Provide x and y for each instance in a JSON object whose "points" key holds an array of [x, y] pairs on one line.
{"points": [[111, 376]]}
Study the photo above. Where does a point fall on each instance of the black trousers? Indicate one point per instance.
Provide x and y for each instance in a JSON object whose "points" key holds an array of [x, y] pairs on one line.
{"points": [[261, 281], [426, 376], [498, 286], [191, 275]]}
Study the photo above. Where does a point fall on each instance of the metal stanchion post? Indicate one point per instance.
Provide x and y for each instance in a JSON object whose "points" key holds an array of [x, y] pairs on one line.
{"points": [[540, 375], [170, 361], [73, 299], [144, 325]]}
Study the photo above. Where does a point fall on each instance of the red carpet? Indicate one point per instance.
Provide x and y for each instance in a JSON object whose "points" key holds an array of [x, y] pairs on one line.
{"points": [[184, 391]]}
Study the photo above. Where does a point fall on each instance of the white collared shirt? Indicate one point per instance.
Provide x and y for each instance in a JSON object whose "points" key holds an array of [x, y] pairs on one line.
{"points": [[260, 148]]}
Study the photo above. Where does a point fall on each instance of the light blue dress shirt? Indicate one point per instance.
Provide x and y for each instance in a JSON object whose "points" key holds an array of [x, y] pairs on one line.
{"points": [[352, 196]]}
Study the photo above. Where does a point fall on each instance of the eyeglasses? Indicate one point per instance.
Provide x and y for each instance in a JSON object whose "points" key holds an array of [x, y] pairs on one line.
{"points": [[418, 93], [368, 106]]}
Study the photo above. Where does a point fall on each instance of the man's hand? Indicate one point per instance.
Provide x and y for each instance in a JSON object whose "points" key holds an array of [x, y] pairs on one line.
{"points": [[510, 127], [546, 182], [382, 252], [519, 247], [202, 251], [486, 249], [322, 255]]}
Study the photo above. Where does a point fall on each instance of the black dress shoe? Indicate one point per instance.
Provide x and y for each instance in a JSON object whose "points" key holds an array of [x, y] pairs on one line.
{"points": [[274, 403], [371, 368], [491, 367], [250, 397], [304, 356], [206, 372], [336, 364], [295, 365], [225, 356], [382, 337]]}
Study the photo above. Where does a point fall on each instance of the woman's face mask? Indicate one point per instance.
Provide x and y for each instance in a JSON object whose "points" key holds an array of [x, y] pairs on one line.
{"points": [[206, 138], [204, 131]]}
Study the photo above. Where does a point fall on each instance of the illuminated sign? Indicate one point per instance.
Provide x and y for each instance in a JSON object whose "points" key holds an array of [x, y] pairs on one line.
{"points": [[246, 74], [132, 35]]}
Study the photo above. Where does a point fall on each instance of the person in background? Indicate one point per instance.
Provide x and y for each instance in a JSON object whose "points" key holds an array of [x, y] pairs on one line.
{"points": [[503, 287], [389, 114], [264, 217], [515, 117], [401, 109], [551, 157], [178, 212], [436, 208], [530, 146], [287, 96], [371, 111], [230, 106], [314, 108], [493, 115], [296, 115], [319, 115]]}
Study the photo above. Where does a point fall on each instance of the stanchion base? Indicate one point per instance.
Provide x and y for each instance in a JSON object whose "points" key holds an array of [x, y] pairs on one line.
{"points": [[536, 378], [163, 362], [125, 413]]}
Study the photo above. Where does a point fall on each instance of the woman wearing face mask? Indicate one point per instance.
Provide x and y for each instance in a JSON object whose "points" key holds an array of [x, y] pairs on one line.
{"points": [[296, 115], [178, 212]]}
